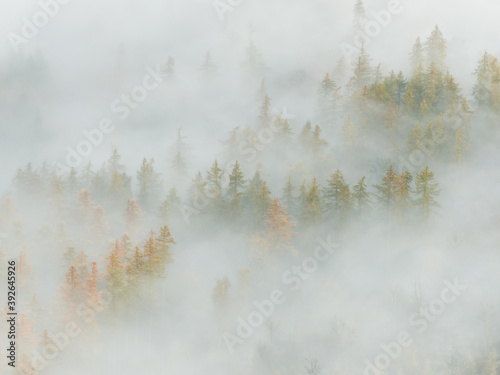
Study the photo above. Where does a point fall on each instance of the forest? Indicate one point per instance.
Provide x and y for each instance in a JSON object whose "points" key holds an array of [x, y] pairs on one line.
{"points": [[311, 238]]}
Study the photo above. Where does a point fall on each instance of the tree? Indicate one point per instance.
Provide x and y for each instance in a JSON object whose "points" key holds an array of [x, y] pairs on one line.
{"points": [[220, 294], [236, 180], [311, 208], [426, 192], [253, 63], [132, 216], [403, 191], [214, 179], [460, 145], [149, 184], [94, 297], [435, 48], [337, 196], [349, 133], [316, 143], [387, 191], [279, 227], [262, 202], [208, 68], [170, 67], [417, 57], [361, 197], [327, 98], [289, 196], [359, 16], [164, 240], [415, 139], [363, 72], [72, 292], [265, 111], [115, 273]]}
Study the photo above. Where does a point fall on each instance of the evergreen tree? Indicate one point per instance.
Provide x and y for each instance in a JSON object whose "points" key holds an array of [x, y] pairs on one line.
{"points": [[435, 48], [387, 191], [361, 197], [426, 192], [149, 184], [311, 209], [236, 180]]}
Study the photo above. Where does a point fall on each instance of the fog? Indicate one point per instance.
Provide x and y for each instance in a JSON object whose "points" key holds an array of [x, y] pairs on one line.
{"points": [[185, 190]]}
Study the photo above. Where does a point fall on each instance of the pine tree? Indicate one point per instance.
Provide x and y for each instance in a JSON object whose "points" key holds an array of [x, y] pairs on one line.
{"points": [[417, 57], [460, 145], [426, 192], [198, 192], [360, 16], [311, 209], [289, 199], [363, 72], [361, 197], [149, 184], [94, 297], [349, 133], [387, 191], [72, 293], [253, 62], [236, 180], [265, 112], [337, 197], [327, 98], [279, 227], [208, 67], [214, 179], [403, 193], [316, 143], [262, 202], [164, 240], [435, 48], [132, 216], [170, 68], [220, 294], [415, 139], [115, 274]]}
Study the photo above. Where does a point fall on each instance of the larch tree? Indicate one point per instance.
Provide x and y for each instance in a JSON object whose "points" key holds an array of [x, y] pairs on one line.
{"points": [[361, 197], [337, 197], [426, 192], [94, 296], [133, 214], [236, 180], [220, 294], [435, 48], [387, 191], [149, 184], [279, 226], [164, 240], [115, 274], [311, 208], [417, 57]]}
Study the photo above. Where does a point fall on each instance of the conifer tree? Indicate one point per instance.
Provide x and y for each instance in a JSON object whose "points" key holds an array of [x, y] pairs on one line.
{"points": [[94, 297], [337, 196], [149, 184], [361, 197], [435, 48], [426, 192], [220, 294], [417, 57], [311, 209], [115, 274], [387, 191], [349, 133], [262, 202], [236, 180]]}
